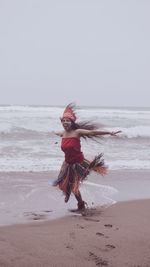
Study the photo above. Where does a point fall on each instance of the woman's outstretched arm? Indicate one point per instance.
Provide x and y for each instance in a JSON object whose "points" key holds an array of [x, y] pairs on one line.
{"points": [[96, 132]]}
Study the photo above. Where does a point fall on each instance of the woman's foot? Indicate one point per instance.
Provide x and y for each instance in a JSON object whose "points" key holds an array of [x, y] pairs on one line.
{"points": [[67, 198], [82, 205]]}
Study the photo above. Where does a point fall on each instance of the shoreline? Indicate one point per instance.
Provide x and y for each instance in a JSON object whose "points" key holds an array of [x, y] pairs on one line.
{"points": [[30, 196], [116, 236]]}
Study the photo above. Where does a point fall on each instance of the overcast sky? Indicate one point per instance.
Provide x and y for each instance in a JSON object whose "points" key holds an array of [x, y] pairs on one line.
{"points": [[93, 52]]}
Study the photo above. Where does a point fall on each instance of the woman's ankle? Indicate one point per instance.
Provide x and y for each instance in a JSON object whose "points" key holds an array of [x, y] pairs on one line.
{"points": [[82, 205]]}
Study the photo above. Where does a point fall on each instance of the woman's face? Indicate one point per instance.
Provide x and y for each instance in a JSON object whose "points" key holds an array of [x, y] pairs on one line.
{"points": [[67, 124]]}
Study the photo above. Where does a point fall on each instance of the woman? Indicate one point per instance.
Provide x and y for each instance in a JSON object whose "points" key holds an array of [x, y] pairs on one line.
{"points": [[75, 168]]}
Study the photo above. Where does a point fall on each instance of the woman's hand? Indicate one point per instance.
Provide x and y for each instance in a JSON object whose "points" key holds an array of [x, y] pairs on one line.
{"points": [[58, 133], [115, 133]]}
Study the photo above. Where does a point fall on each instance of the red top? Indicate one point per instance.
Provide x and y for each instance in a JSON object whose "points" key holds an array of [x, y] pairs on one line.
{"points": [[72, 149]]}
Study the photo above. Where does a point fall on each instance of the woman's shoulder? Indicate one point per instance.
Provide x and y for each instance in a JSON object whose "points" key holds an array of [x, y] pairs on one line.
{"points": [[80, 132], [77, 133]]}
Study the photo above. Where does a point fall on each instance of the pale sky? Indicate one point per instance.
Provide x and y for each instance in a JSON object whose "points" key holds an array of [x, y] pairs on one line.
{"points": [[92, 52]]}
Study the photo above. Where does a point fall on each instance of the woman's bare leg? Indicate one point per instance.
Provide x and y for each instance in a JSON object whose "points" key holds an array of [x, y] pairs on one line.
{"points": [[78, 197]]}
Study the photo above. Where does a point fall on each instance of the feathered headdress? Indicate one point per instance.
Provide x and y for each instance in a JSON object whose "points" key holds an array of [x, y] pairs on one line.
{"points": [[69, 112]]}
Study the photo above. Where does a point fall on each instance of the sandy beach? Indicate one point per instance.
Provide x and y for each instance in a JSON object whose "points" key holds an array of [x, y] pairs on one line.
{"points": [[116, 236]]}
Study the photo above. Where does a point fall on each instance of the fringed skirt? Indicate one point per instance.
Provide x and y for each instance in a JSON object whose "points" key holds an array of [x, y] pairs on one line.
{"points": [[71, 175]]}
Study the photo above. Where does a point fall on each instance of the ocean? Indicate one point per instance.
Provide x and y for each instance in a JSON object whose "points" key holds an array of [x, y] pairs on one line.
{"points": [[28, 142], [30, 159]]}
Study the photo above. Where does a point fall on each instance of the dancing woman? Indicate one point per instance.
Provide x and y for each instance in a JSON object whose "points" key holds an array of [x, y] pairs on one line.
{"points": [[75, 167]]}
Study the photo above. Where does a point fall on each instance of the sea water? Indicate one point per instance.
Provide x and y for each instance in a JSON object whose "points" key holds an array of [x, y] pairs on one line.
{"points": [[28, 142]]}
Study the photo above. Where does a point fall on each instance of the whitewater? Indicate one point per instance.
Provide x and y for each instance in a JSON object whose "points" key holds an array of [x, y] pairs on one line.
{"points": [[28, 142]]}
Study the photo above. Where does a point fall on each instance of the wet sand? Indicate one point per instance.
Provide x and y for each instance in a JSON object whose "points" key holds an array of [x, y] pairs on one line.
{"points": [[28, 196], [116, 236]]}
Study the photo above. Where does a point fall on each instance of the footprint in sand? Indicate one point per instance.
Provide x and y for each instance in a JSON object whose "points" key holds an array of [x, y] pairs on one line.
{"points": [[98, 261], [69, 246], [35, 216], [38, 217], [92, 220], [108, 225], [99, 234], [110, 246], [80, 226]]}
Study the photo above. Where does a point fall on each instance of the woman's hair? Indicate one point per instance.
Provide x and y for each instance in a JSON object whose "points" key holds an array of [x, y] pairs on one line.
{"points": [[87, 125]]}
